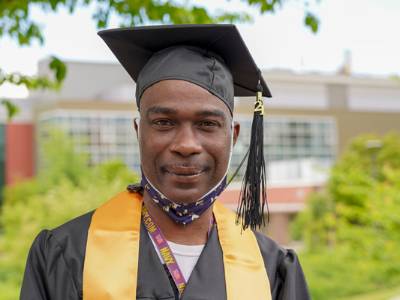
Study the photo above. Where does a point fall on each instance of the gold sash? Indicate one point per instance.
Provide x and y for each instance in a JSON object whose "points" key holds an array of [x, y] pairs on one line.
{"points": [[112, 252]]}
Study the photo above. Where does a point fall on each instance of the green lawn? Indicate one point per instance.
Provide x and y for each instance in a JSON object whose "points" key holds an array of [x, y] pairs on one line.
{"points": [[388, 294]]}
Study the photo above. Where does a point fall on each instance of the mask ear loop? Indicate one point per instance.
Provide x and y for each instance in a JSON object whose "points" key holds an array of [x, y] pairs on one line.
{"points": [[230, 149], [241, 162], [137, 123], [136, 187]]}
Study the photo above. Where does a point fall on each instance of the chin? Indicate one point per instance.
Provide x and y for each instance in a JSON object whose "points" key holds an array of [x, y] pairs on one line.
{"points": [[184, 195]]}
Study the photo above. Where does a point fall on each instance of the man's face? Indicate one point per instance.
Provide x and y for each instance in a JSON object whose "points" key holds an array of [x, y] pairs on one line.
{"points": [[185, 138]]}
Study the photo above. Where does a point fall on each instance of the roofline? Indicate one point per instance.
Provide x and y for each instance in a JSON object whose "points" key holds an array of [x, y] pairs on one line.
{"points": [[288, 75], [328, 78]]}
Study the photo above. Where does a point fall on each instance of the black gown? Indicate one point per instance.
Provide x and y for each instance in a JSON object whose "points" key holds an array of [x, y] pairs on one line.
{"points": [[54, 268]]}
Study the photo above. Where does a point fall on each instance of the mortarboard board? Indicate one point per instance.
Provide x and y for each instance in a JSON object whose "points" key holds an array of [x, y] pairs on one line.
{"points": [[133, 47], [151, 53]]}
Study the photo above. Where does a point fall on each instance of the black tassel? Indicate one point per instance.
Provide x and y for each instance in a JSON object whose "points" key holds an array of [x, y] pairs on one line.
{"points": [[253, 196]]}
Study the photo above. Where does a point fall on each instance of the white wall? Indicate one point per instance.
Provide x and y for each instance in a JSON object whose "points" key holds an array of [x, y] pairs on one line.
{"points": [[90, 81], [374, 99], [297, 95]]}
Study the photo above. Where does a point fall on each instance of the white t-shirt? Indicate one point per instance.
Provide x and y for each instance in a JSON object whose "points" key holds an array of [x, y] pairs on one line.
{"points": [[186, 256]]}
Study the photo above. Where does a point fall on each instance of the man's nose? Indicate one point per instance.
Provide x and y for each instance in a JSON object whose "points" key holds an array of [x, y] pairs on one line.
{"points": [[185, 142]]}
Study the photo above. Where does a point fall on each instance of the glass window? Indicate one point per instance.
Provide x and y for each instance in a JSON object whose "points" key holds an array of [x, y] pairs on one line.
{"points": [[103, 136], [290, 138]]}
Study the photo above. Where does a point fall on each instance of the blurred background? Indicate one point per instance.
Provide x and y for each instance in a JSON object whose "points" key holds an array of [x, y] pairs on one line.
{"points": [[332, 128]]}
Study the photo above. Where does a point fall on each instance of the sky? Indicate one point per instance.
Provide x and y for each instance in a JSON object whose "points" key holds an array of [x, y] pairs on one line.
{"points": [[368, 29]]}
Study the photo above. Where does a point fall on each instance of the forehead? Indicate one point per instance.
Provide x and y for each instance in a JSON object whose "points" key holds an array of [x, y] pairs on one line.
{"points": [[181, 95]]}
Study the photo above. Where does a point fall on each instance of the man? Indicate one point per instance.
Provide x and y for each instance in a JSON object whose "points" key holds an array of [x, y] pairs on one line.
{"points": [[167, 238]]}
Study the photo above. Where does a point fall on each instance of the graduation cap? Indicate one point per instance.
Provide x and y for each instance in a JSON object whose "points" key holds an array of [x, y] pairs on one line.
{"points": [[214, 57]]}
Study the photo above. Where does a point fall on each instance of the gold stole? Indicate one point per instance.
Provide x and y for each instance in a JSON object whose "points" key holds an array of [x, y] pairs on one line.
{"points": [[112, 252]]}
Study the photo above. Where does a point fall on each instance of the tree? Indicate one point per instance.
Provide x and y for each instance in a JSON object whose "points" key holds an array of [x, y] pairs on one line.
{"points": [[65, 188], [16, 22], [352, 228]]}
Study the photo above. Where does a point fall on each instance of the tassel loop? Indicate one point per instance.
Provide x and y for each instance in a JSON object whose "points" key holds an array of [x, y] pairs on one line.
{"points": [[259, 106]]}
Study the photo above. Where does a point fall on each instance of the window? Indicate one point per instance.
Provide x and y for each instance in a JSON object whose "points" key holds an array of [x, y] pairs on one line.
{"points": [[102, 135], [290, 138]]}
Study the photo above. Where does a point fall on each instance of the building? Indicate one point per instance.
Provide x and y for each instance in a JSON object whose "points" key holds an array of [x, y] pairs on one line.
{"points": [[17, 147], [2, 156], [309, 122]]}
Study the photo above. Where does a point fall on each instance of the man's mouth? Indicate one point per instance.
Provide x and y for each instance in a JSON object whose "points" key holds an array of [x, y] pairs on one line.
{"points": [[184, 171]]}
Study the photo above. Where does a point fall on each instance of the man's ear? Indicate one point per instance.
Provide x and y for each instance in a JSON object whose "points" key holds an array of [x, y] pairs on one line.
{"points": [[136, 126], [236, 131]]}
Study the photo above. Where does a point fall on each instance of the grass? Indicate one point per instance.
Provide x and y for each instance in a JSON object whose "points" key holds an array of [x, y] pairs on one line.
{"points": [[387, 294]]}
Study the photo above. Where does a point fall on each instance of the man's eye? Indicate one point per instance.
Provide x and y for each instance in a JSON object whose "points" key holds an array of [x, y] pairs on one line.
{"points": [[163, 123], [208, 124]]}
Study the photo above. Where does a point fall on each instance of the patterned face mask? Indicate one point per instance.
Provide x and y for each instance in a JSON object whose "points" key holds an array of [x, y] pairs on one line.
{"points": [[183, 213]]}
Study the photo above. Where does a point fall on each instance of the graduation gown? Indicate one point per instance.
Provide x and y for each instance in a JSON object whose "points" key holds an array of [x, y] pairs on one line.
{"points": [[55, 263]]}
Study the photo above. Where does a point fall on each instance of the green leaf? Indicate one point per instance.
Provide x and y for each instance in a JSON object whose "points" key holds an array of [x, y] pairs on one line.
{"points": [[12, 109], [59, 68], [312, 22]]}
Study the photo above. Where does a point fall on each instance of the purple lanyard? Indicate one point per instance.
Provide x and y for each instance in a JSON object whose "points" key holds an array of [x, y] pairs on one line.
{"points": [[165, 250]]}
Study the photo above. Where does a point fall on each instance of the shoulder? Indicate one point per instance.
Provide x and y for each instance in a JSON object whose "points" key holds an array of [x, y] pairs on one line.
{"points": [[284, 270], [267, 244], [74, 231], [71, 233], [272, 253], [67, 241], [56, 259]]}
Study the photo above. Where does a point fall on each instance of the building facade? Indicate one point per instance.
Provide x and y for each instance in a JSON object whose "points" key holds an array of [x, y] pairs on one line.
{"points": [[308, 123], [17, 145], [2, 157]]}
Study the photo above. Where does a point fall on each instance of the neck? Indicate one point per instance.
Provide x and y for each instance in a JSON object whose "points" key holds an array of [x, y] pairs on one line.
{"points": [[195, 233]]}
